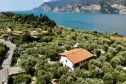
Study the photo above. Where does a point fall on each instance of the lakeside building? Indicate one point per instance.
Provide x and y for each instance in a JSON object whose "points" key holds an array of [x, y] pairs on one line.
{"points": [[75, 57]]}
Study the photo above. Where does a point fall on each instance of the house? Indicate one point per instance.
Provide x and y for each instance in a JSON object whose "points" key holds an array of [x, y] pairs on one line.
{"points": [[17, 33], [34, 34], [76, 45], [75, 57], [124, 68], [15, 70], [8, 30], [118, 38], [55, 81]]}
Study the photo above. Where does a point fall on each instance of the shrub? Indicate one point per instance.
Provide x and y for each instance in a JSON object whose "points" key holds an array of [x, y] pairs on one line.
{"points": [[22, 78]]}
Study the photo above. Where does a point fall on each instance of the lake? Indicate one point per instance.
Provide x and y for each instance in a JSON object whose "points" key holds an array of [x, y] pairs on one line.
{"points": [[101, 22]]}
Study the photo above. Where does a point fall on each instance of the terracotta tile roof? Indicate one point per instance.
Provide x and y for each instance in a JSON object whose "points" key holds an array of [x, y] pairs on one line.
{"points": [[77, 55], [118, 38]]}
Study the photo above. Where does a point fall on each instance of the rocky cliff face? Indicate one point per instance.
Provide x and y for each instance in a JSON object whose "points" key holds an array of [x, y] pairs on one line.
{"points": [[78, 7], [46, 7], [121, 8]]}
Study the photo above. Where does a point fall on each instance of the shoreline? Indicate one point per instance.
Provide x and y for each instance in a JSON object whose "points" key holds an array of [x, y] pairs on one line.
{"points": [[65, 12], [92, 30]]}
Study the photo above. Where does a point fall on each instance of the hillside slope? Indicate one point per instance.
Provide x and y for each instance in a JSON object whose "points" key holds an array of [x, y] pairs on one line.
{"points": [[91, 6]]}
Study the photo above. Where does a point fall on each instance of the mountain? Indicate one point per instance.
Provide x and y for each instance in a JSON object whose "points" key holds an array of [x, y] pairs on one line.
{"points": [[87, 2], [91, 6], [62, 2], [48, 6]]}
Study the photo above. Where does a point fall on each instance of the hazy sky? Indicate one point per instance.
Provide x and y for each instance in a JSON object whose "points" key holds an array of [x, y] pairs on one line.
{"points": [[14, 5]]}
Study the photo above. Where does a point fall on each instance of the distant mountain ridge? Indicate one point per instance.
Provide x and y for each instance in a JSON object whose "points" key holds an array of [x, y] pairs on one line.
{"points": [[48, 6], [91, 6], [61, 2]]}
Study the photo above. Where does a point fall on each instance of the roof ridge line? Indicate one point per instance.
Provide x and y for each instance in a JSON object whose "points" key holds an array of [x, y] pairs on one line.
{"points": [[74, 51]]}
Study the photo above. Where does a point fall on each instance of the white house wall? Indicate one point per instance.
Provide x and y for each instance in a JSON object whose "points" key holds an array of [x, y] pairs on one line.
{"points": [[67, 62]]}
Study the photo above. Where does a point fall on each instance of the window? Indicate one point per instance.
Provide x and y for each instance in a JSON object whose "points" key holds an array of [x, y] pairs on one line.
{"points": [[66, 60]]}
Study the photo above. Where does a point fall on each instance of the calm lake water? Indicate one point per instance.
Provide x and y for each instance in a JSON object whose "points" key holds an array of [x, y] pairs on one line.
{"points": [[101, 22]]}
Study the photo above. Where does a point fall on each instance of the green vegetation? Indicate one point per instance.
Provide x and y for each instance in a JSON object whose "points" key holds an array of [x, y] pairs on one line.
{"points": [[39, 56], [3, 50], [21, 79]]}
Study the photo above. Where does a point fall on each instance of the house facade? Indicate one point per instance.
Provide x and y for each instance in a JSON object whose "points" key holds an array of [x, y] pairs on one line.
{"points": [[67, 62], [75, 57], [34, 34]]}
